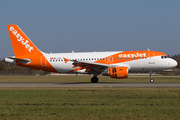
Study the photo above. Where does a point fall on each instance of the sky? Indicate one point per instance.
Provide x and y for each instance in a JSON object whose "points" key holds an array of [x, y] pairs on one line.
{"points": [[93, 25]]}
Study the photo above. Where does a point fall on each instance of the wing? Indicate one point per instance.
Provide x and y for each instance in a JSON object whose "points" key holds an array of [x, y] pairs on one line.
{"points": [[89, 67]]}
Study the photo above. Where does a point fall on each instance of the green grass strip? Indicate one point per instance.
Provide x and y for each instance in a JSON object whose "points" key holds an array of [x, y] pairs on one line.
{"points": [[89, 103]]}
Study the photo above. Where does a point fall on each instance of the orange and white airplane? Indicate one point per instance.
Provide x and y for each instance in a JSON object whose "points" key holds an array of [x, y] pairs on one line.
{"points": [[115, 64]]}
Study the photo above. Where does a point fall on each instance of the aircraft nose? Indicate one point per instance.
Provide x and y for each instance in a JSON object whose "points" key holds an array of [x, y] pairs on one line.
{"points": [[173, 63]]}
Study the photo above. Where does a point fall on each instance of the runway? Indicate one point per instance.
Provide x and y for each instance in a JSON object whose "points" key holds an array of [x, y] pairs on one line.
{"points": [[83, 84]]}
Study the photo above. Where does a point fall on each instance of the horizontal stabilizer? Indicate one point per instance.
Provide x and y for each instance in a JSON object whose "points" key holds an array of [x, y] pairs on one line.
{"points": [[14, 60]]}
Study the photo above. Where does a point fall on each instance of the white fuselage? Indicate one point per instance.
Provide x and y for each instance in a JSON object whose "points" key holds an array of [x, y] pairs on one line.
{"points": [[155, 63]]}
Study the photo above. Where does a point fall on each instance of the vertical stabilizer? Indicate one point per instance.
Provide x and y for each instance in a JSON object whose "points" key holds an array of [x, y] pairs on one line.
{"points": [[22, 45]]}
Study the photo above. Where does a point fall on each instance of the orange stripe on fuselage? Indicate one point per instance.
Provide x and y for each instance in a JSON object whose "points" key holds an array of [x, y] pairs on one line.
{"points": [[126, 56]]}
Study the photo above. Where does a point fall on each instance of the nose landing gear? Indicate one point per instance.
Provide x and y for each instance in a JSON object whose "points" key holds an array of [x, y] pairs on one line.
{"points": [[151, 79]]}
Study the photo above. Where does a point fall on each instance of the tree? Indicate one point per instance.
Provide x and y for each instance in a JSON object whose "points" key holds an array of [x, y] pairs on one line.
{"points": [[10, 69], [177, 58]]}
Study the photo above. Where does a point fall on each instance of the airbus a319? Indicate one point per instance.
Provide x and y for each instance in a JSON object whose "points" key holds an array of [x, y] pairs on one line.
{"points": [[116, 64]]}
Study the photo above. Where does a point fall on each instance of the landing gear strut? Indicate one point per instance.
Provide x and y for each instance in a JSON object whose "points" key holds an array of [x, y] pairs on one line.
{"points": [[94, 79], [151, 79]]}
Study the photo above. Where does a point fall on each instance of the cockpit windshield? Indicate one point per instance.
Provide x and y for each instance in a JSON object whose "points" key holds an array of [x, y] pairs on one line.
{"points": [[164, 57]]}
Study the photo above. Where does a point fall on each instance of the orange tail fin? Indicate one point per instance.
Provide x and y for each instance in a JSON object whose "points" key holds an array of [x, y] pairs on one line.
{"points": [[22, 45]]}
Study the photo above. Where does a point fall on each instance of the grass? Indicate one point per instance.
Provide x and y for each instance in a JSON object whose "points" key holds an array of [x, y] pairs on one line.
{"points": [[90, 103], [85, 78]]}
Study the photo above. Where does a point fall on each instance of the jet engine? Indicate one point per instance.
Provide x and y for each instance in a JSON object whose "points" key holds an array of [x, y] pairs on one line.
{"points": [[116, 72]]}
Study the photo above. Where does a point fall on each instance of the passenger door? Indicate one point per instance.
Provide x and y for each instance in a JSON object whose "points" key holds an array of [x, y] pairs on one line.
{"points": [[151, 58]]}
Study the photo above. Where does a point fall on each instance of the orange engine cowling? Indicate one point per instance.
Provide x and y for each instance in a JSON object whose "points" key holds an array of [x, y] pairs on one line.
{"points": [[117, 72]]}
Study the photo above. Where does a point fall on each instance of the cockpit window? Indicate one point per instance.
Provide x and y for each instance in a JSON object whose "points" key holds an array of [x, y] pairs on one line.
{"points": [[164, 57]]}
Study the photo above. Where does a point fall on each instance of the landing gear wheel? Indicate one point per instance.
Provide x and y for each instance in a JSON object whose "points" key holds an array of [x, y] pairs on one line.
{"points": [[94, 79], [151, 80]]}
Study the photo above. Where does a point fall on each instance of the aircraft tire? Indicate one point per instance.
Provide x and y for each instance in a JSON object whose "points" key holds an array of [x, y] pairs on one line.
{"points": [[152, 80], [94, 80]]}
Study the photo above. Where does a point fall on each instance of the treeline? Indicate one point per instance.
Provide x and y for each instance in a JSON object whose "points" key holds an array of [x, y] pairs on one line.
{"points": [[177, 58], [10, 69]]}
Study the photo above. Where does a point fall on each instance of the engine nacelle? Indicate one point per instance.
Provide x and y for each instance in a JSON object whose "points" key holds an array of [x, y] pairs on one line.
{"points": [[116, 72]]}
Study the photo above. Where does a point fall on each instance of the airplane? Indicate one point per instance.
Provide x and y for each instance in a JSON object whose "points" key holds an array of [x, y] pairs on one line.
{"points": [[116, 64]]}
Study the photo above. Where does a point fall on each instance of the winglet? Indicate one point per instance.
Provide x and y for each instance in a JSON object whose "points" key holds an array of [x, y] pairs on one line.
{"points": [[66, 60]]}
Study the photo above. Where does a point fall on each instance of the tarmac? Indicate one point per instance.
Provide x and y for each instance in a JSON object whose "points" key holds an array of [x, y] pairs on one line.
{"points": [[85, 84]]}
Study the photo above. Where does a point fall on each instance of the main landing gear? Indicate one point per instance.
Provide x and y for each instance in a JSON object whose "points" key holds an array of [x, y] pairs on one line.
{"points": [[94, 79], [151, 79]]}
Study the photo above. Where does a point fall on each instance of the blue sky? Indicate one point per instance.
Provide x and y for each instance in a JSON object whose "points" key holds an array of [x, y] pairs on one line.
{"points": [[93, 25]]}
